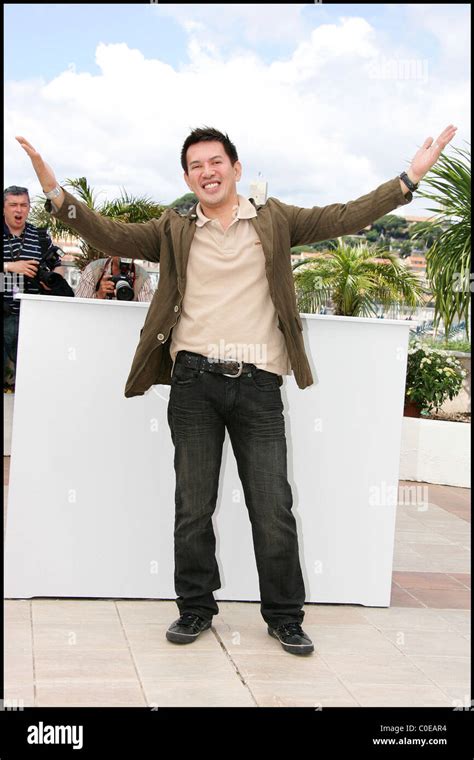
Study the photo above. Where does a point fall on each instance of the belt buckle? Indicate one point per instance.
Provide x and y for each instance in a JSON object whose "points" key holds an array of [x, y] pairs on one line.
{"points": [[240, 369]]}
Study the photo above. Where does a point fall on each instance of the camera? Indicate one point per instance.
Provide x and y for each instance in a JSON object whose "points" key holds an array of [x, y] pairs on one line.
{"points": [[48, 262], [123, 283], [50, 258]]}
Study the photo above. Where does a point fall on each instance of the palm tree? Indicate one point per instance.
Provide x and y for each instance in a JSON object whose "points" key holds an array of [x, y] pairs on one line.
{"points": [[448, 260], [358, 280], [127, 208], [425, 233]]}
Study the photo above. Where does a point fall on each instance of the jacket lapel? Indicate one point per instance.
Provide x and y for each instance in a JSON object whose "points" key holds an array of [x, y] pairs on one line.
{"points": [[182, 237], [264, 228]]}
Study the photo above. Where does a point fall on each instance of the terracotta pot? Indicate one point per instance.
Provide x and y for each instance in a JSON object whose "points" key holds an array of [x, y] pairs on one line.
{"points": [[411, 409]]}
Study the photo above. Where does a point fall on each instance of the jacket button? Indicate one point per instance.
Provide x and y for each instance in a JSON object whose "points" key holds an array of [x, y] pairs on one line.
{"points": [[160, 336], [176, 308]]}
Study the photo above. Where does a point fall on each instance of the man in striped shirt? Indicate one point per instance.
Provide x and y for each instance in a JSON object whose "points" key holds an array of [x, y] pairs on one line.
{"points": [[21, 256]]}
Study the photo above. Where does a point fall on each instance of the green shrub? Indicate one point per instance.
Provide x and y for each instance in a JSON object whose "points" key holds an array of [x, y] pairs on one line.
{"points": [[432, 377]]}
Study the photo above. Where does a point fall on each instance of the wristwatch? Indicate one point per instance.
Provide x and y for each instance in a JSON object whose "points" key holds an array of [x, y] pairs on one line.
{"points": [[406, 179], [51, 194]]}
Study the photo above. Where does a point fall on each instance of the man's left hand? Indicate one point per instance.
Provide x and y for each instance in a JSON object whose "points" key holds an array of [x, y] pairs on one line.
{"points": [[429, 153]]}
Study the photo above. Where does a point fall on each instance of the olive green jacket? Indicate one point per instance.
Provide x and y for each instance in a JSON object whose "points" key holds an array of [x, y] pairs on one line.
{"points": [[168, 240]]}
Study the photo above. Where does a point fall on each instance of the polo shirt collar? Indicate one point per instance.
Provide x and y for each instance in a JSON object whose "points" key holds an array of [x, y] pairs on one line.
{"points": [[6, 229], [244, 210]]}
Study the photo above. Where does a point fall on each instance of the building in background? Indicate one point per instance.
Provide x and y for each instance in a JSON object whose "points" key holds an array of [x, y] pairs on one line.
{"points": [[259, 190]]}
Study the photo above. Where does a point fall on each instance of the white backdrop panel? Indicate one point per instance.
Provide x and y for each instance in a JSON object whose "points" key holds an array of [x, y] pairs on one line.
{"points": [[91, 495]]}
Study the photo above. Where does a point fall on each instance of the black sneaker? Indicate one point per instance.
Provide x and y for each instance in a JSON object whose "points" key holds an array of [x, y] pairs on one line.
{"points": [[292, 638], [187, 628]]}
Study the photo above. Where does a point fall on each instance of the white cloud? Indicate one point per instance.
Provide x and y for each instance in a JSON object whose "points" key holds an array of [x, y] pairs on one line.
{"points": [[450, 24], [223, 24], [319, 126], [351, 39]]}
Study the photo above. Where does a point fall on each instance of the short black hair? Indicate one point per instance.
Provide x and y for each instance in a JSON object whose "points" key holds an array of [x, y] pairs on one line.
{"points": [[15, 190], [208, 134]]}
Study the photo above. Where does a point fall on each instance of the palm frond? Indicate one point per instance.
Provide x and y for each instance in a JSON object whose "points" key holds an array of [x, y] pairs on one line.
{"points": [[357, 280], [126, 208], [448, 260]]}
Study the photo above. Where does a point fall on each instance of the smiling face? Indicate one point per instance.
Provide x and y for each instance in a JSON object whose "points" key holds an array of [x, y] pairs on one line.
{"points": [[211, 176], [15, 210]]}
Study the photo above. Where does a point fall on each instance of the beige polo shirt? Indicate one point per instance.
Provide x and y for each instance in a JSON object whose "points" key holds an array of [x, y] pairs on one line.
{"points": [[227, 310]]}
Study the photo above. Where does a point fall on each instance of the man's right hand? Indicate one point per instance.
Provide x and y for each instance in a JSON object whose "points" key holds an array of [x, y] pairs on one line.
{"points": [[44, 172], [29, 268], [106, 288]]}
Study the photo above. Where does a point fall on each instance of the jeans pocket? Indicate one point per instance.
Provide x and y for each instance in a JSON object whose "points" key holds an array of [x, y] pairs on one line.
{"points": [[266, 381], [184, 376]]}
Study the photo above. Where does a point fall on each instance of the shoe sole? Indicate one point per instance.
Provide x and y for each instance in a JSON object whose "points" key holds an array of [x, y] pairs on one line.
{"points": [[292, 648], [185, 638]]}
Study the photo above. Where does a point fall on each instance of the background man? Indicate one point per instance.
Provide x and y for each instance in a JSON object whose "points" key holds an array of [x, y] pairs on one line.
{"points": [[95, 280], [21, 255]]}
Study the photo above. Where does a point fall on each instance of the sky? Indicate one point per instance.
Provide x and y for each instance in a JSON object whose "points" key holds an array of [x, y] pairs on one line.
{"points": [[324, 102]]}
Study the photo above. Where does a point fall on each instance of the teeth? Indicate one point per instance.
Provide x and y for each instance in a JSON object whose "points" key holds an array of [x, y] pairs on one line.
{"points": [[211, 184]]}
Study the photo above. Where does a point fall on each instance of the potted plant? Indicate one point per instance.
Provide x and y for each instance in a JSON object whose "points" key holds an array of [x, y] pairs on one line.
{"points": [[432, 377]]}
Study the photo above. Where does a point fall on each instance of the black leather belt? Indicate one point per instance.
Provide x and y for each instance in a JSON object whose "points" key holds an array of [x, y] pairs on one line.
{"points": [[229, 368]]}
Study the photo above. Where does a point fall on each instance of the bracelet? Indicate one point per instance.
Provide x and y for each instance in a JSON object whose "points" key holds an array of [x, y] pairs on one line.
{"points": [[52, 193]]}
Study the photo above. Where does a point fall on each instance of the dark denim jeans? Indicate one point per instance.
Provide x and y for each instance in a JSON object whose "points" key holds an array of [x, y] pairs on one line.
{"points": [[201, 406], [10, 344]]}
